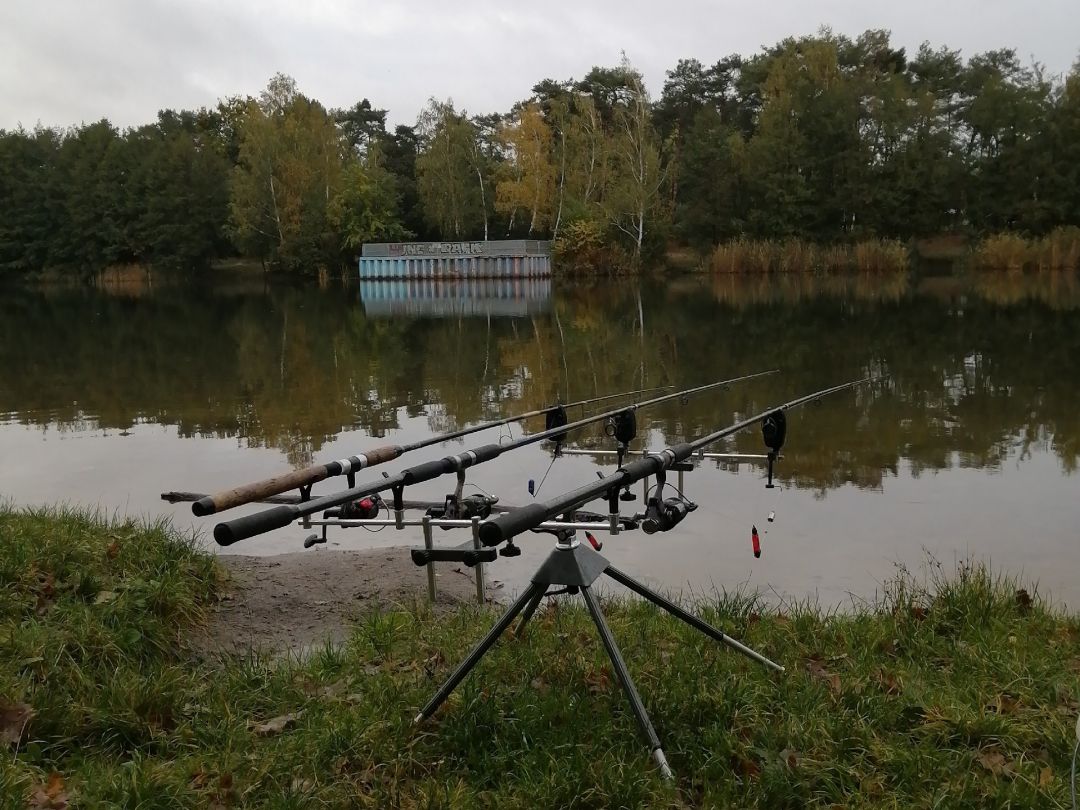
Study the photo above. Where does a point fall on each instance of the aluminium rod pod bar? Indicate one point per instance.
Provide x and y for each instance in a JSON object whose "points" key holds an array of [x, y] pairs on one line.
{"points": [[510, 524], [299, 479], [232, 531]]}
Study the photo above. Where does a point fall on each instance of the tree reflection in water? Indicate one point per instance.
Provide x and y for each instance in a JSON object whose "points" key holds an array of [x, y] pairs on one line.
{"points": [[972, 371]]}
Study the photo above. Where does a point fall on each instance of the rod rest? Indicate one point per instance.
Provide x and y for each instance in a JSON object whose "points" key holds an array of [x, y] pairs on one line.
{"points": [[469, 556]]}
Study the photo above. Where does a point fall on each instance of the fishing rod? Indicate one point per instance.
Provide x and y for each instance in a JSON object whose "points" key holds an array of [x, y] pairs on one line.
{"points": [[300, 479], [660, 515], [620, 423], [572, 568]]}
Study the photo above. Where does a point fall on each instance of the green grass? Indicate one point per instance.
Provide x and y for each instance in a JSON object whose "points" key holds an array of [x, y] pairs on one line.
{"points": [[957, 694]]}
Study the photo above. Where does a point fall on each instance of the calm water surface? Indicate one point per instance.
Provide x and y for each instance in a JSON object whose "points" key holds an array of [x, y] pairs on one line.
{"points": [[967, 447]]}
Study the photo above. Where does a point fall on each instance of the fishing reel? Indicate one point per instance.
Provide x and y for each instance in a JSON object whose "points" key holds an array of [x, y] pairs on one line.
{"points": [[365, 508], [773, 433], [664, 514], [463, 508]]}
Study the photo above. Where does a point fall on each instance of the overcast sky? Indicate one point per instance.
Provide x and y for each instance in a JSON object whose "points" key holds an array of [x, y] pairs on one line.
{"points": [[69, 61]]}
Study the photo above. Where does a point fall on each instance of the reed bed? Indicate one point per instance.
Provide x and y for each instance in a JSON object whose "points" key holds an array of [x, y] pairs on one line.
{"points": [[1058, 250], [799, 256]]}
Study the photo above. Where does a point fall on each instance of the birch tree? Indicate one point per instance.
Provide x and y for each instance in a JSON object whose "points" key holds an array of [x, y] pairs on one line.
{"points": [[451, 187], [290, 166], [636, 162], [531, 184]]}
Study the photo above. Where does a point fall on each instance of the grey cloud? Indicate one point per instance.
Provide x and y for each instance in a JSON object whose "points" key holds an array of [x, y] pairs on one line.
{"points": [[66, 61]]}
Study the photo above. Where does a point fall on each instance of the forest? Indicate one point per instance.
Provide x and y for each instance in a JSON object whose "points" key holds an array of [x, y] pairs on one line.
{"points": [[822, 138]]}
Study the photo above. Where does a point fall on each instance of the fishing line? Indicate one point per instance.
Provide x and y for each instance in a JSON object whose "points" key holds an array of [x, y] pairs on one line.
{"points": [[477, 486], [542, 480], [660, 494]]}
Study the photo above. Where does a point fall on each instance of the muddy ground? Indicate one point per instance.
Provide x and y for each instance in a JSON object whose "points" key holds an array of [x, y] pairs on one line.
{"points": [[289, 602]]}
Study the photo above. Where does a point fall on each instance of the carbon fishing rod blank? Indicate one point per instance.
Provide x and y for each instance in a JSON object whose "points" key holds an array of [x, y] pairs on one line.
{"points": [[512, 523], [304, 479], [232, 531]]}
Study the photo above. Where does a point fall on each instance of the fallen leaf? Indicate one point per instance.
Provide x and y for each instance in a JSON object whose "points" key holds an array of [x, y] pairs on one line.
{"points": [[815, 668], [995, 762], [274, 725], [13, 720], [49, 796], [332, 690], [790, 758], [45, 593], [1046, 776], [104, 597], [888, 682], [890, 647], [748, 768], [598, 680], [200, 779], [1003, 704]]}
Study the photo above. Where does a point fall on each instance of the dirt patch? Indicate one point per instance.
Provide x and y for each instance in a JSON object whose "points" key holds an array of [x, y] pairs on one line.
{"points": [[289, 602]]}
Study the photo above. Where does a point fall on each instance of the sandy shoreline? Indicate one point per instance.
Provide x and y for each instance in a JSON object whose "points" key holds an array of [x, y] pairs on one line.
{"points": [[292, 601]]}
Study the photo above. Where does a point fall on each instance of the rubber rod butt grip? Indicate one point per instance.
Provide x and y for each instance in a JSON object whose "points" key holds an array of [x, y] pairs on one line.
{"points": [[241, 528], [511, 524]]}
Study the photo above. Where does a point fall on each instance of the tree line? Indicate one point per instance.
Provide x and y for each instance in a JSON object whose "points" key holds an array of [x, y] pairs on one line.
{"points": [[824, 138]]}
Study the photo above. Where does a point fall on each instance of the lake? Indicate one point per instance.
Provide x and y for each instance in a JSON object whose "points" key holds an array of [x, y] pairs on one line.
{"points": [[965, 447]]}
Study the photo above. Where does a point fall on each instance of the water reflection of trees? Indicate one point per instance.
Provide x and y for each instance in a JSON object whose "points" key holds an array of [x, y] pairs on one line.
{"points": [[973, 371]]}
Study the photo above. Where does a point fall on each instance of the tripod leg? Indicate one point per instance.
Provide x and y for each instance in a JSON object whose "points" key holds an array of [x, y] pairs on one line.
{"points": [[624, 678], [530, 609], [478, 652], [689, 618]]}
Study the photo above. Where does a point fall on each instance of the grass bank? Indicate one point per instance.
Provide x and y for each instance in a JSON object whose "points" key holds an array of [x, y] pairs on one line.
{"points": [[959, 694], [799, 256]]}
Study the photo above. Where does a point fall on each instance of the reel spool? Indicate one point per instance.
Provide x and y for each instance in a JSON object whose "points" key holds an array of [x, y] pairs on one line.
{"points": [[664, 515], [364, 509]]}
